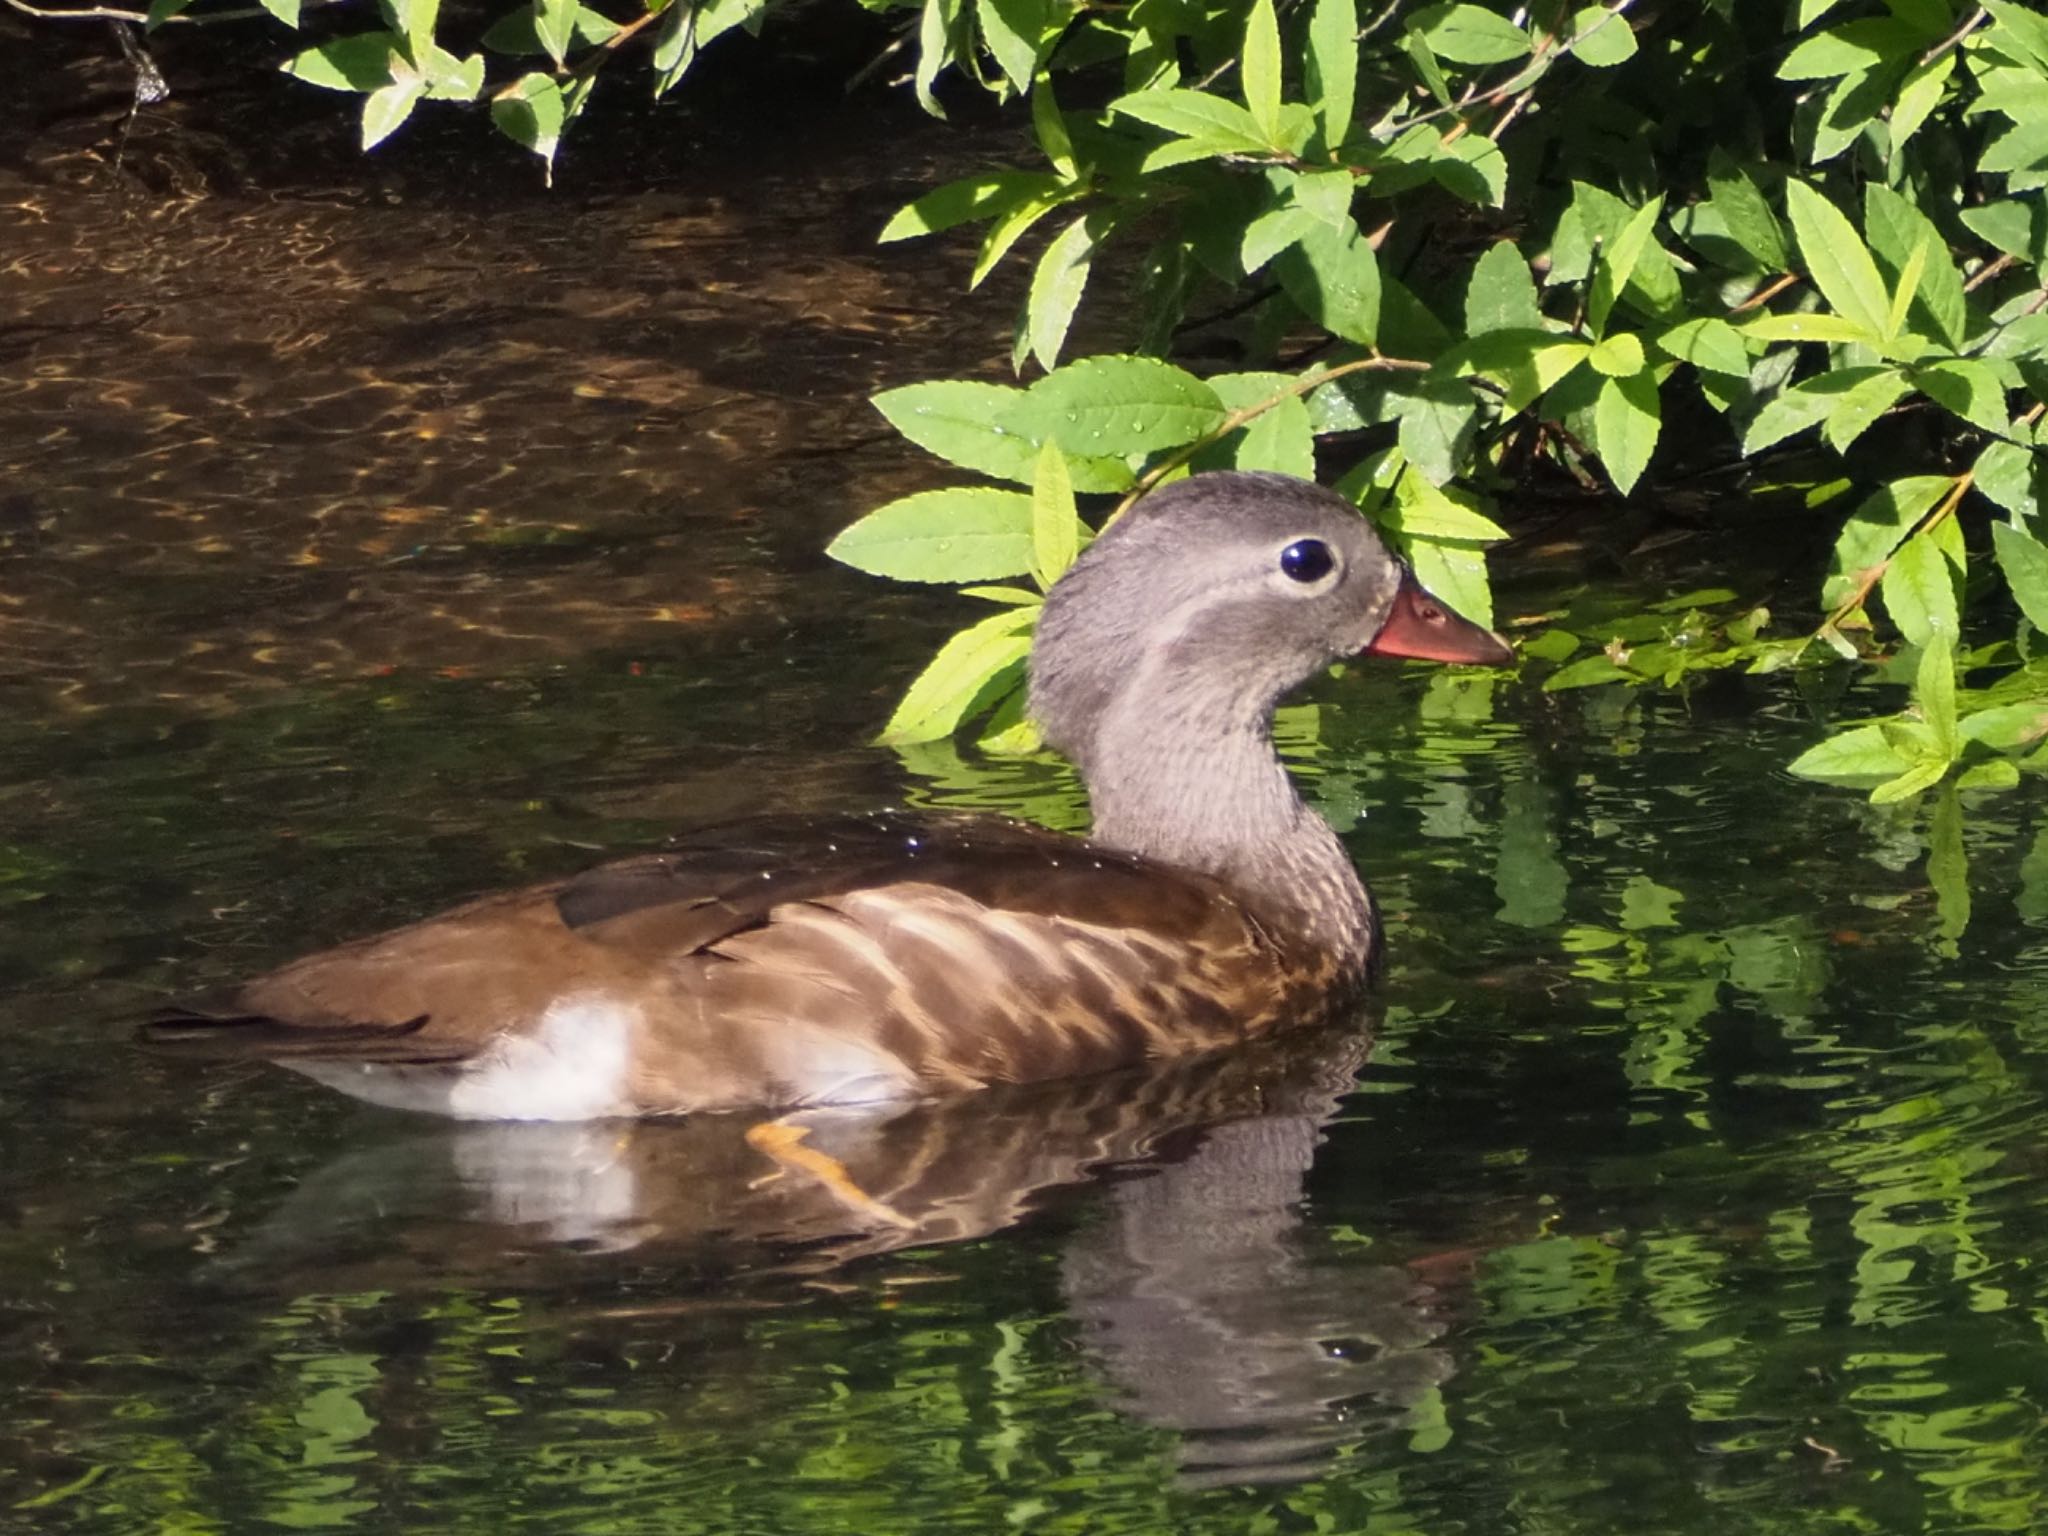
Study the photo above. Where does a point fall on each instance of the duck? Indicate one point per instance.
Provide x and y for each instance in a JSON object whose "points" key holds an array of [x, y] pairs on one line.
{"points": [[788, 965]]}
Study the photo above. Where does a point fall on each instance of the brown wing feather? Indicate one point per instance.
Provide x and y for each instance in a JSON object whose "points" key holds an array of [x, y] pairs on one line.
{"points": [[793, 962]]}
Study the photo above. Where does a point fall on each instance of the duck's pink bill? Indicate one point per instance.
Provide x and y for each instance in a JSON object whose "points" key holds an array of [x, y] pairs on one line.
{"points": [[1423, 627]]}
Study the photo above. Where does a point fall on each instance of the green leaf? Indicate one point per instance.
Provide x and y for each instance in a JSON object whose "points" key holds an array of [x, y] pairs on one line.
{"points": [[1469, 34], [1602, 37], [935, 26], [1050, 127], [1922, 775], [1438, 419], [451, 79], [1852, 47], [1273, 232], [1113, 406], [961, 202], [1619, 356], [554, 24], [962, 673], [1802, 406], [1501, 295], [530, 112], [1898, 232], [1618, 264], [1333, 66], [414, 20], [2018, 227], [1626, 421], [1966, 387], [1919, 593], [2024, 26], [2024, 560], [1333, 277], [1854, 757], [2007, 727], [387, 107], [1259, 68], [1855, 411], [286, 11], [1934, 688], [1195, 115], [970, 534], [1918, 98], [1832, 329], [1441, 514], [361, 62], [1473, 168], [1455, 573], [1055, 525], [1587, 672], [2022, 149], [1280, 438], [2013, 477], [1836, 258], [1058, 283], [1747, 214], [1997, 774], [1875, 530], [1016, 32], [1011, 226], [1709, 343], [962, 422]]}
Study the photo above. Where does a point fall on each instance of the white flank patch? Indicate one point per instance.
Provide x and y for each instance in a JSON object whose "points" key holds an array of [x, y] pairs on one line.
{"points": [[574, 1066]]}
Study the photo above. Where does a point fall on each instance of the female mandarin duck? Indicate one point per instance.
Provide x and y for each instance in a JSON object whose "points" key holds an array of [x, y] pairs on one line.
{"points": [[896, 957]]}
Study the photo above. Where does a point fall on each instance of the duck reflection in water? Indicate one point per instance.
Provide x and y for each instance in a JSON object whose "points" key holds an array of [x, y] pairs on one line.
{"points": [[1187, 1262]]}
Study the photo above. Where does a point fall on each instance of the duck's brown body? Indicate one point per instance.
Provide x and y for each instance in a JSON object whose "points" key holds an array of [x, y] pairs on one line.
{"points": [[852, 961], [901, 959]]}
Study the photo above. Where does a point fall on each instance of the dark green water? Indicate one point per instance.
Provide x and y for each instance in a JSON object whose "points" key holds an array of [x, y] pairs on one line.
{"points": [[1693, 1182]]}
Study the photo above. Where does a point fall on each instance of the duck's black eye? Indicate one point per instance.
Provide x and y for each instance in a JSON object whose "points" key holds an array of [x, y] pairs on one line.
{"points": [[1307, 560]]}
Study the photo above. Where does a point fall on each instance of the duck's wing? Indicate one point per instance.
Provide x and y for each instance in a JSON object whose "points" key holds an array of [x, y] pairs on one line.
{"points": [[778, 962]]}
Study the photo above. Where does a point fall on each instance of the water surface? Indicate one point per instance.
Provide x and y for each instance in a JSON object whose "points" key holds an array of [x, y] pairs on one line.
{"points": [[1690, 1182]]}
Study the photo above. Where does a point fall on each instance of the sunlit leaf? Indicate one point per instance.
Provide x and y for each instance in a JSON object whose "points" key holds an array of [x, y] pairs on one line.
{"points": [[1333, 276], [1837, 259], [1875, 530], [969, 534], [1055, 526], [2024, 559], [946, 692], [1469, 34], [1919, 591], [962, 422], [1116, 406], [1332, 61]]}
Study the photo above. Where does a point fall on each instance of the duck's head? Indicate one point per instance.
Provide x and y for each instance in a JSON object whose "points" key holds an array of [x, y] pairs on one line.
{"points": [[1197, 611]]}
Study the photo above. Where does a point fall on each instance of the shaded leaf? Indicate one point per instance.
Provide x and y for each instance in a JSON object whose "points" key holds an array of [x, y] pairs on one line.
{"points": [[1626, 421]]}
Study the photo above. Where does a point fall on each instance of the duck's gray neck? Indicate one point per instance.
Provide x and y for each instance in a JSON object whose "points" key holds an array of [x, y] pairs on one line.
{"points": [[1212, 796]]}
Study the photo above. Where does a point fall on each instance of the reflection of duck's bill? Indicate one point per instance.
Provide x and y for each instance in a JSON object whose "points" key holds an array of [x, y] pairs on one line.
{"points": [[1425, 628]]}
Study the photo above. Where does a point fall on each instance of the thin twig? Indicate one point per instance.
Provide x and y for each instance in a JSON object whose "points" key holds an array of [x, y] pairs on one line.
{"points": [[1988, 271], [139, 18], [1875, 574], [1765, 294], [1975, 20]]}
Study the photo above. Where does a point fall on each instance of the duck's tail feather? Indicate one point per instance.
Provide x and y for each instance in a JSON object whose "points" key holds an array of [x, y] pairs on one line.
{"points": [[220, 1031]]}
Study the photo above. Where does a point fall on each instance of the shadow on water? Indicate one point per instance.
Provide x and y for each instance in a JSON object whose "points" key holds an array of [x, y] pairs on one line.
{"points": [[370, 543]]}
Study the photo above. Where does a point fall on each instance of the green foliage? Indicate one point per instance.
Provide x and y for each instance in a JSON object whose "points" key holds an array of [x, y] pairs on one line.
{"points": [[1499, 238], [1854, 244]]}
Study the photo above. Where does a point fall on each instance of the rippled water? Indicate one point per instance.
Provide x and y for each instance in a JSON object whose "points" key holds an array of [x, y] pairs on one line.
{"points": [[1691, 1182]]}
